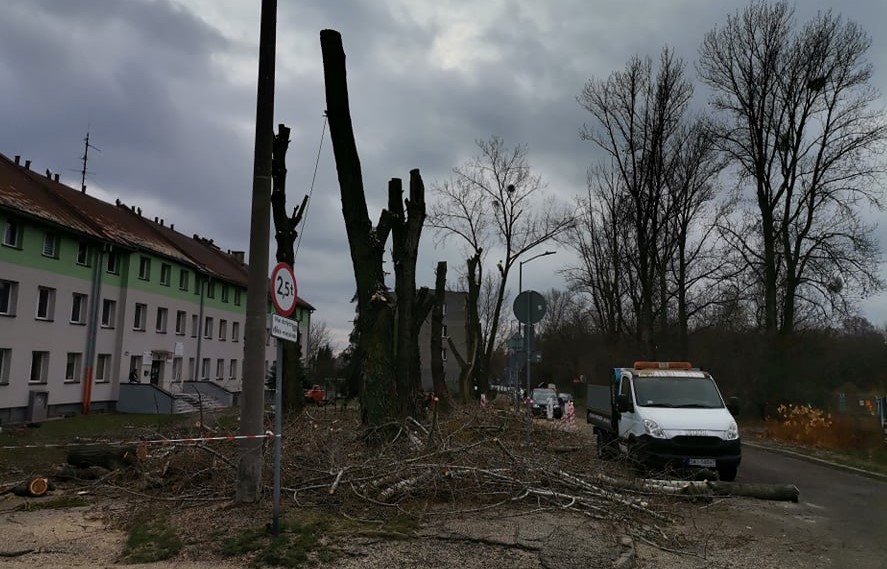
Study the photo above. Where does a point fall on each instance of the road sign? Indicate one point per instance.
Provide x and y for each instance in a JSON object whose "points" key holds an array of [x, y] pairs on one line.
{"points": [[529, 307], [284, 328], [283, 289]]}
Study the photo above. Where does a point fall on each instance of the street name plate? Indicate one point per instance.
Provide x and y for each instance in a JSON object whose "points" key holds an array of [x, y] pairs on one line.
{"points": [[284, 328]]}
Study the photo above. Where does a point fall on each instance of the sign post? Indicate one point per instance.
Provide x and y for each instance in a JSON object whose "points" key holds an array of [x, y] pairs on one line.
{"points": [[283, 294]]}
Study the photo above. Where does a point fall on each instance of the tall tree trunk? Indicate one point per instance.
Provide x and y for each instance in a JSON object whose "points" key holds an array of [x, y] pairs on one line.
{"points": [[406, 229], [438, 374], [374, 304], [285, 234]]}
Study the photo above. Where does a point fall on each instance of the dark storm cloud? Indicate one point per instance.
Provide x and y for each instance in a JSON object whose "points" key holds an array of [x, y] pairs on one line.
{"points": [[168, 90]]}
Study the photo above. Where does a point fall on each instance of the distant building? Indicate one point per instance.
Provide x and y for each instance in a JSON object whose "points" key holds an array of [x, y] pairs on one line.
{"points": [[92, 294], [454, 315]]}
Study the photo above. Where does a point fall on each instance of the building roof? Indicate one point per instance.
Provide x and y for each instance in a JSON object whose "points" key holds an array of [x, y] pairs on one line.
{"points": [[44, 198]]}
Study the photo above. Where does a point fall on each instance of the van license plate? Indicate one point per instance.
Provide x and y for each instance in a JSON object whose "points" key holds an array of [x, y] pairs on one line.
{"points": [[701, 462]]}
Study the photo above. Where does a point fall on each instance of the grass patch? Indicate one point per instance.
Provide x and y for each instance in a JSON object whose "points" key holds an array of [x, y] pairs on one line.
{"points": [[57, 503], [306, 537], [61, 431], [151, 540]]}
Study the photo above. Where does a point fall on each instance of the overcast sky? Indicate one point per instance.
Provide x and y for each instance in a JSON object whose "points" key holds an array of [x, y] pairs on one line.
{"points": [[167, 89]]}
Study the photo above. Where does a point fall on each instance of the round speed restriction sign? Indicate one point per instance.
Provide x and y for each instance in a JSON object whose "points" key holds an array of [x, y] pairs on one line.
{"points": [[283, 289]]}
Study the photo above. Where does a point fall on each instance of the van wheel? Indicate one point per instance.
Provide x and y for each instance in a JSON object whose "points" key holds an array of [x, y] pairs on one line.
{"points": [[727, 473]]}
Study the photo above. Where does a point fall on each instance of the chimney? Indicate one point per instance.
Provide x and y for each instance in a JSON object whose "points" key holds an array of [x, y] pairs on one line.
{"points": [[48, 174], [18, 159], [238, 255], [27, 164], [172, 225], [133, 208], [56, 178], [161, 222], [156, 219], [139, 211], [117, 202]]}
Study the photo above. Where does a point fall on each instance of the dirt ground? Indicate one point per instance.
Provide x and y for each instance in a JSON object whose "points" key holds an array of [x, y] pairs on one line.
{"points": [[734, 533], [729, 533]]}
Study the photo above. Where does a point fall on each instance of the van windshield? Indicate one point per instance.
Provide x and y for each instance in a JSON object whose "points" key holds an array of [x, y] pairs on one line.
{"points": [[685, 392]]}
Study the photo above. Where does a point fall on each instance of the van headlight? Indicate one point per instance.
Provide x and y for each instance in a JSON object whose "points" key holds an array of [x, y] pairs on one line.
{"points": [[653, 429], [732, 431]]}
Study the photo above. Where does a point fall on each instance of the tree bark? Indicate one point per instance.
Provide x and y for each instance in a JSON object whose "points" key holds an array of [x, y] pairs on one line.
{"points": [[108, 457], [438, 375], [374, 304], [285, 235]]}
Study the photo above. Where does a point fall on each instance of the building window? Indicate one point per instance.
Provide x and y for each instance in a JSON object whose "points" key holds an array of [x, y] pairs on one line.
{"points": [[237, 297], [78, 308], [183, 279], [161, 320], [83, 254], [12, 234], [220, 368], [235, 331], [443, 354], [443, 310], [194, 325], [165, 271], [45, 302], [51, 245], [144, 268], [112, 264], [141, 315], [204, 369], [181, 315], [103, 368], [198, 284], [191, 369], [223, 330], [224, 293], [8, 293], [109, 310], [232, 369], [5, 358], [177, 369], [211, 289], [39, 366], [443, 330], [208, 328], [72, 368]]}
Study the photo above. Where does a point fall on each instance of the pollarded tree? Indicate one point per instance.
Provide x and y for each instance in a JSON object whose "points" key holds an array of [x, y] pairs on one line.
{"points": [[799, 123], [494, 202]]}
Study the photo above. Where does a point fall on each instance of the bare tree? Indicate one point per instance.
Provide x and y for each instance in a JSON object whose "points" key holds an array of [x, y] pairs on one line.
{"points": [[800, 126], [638, 113], [495, 202], [384, 353], [319, 335]]}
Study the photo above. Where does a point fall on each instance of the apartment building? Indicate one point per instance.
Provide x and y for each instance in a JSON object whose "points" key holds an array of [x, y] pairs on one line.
{"points": [[454, 318], [94, 295]]}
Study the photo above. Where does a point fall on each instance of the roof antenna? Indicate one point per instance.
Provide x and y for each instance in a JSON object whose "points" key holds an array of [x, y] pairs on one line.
{"points": [[85, 157]]}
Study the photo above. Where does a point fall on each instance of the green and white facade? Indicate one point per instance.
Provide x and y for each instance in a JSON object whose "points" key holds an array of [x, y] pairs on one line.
{"points": [[91, 292]]}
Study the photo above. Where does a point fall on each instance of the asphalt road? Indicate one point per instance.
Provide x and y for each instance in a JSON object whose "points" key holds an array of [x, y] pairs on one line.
{"points": [[846, 513]]}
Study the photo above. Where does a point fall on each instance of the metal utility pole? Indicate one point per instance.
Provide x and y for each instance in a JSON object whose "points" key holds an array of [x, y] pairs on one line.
{"points": [[249, 470]]}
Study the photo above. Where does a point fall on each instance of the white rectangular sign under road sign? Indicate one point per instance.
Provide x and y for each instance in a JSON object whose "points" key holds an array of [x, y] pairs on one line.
{"points": [[284, 328]]}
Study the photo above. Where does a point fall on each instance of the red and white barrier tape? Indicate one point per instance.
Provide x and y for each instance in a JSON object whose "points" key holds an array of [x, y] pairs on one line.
{"points": [[265, 435]]}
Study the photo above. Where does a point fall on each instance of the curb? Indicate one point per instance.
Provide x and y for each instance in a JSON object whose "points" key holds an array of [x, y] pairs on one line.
{"points": [[627, 557], [819, 461]]}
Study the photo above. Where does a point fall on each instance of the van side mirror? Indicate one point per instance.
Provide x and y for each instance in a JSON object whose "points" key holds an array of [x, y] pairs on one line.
{"points": [[733, 406], [623, 403]]}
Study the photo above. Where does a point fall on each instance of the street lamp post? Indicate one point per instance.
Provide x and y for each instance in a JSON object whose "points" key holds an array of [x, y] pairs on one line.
{"points": [[527, 331]]}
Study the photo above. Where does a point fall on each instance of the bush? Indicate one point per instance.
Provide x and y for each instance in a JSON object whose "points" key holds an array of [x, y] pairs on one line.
{"points": [[807, 425]]}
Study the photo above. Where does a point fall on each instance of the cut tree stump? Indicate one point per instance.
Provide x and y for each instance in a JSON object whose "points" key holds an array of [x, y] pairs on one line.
{"points": [[108, 457], [34, 487]]}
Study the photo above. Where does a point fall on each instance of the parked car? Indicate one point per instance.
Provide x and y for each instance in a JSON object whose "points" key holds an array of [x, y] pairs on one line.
{"points": [[539, 398]]}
